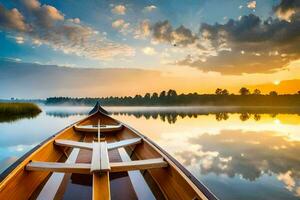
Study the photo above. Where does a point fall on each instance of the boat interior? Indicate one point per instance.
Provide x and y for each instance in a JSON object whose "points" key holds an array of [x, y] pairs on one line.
{"points": [[118, 163]]}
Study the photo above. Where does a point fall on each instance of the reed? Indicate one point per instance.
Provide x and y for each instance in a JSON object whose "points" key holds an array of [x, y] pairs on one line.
{"points": [[14, 111]]}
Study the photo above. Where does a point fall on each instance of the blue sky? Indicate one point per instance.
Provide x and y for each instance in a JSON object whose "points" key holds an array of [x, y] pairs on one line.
{"points": [[191, 45], [99, 16]]}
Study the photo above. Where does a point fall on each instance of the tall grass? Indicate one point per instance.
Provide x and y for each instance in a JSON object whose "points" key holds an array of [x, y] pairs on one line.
{"points": [[14, 111]]}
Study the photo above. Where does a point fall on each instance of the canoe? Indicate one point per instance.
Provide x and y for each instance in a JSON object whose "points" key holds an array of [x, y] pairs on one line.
{"points": [[114, 164]]}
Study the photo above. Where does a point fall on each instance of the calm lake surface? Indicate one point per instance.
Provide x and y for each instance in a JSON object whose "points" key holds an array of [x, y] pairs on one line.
{"points": [[236, 155]]}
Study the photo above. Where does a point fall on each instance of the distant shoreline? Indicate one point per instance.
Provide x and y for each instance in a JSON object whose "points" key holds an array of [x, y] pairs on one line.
{"points": [[290, 100]]}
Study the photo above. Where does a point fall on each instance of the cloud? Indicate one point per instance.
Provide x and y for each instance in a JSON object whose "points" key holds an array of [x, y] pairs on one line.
{"points": [[118, 23], [48, 26], [44, 15], [75, 20], [143, 30], [12, 19], [150, 8], [257, 40], [121, 26], [251, 4], [19, 39], [149, 51], [234, 155], [287, 9], [119, 10], [164, 32]]}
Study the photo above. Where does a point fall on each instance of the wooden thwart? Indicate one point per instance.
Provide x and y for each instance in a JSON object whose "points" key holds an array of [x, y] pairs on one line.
{"points": [[80, 168], [86, 145], [94, 129], [83, 168], [74, 144], [138, 165]]}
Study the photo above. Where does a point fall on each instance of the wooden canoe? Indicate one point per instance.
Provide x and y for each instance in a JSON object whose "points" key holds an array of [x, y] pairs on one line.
{"points": [[121, 164]]}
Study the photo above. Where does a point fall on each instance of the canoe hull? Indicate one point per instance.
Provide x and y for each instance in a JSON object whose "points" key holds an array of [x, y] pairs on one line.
{"points": [[172, 182]]}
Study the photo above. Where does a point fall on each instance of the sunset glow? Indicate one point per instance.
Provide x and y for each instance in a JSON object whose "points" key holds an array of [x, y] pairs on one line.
{"points": [[190, 47]]}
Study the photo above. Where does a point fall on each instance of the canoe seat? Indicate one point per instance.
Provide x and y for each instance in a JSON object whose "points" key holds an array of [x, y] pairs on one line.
{"points": [[84, 168], [100, 166], [87, 145], [94, 128]]}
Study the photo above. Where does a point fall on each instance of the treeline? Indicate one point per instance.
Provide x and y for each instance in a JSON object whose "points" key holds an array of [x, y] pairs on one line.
{"points": [[171, 98]]}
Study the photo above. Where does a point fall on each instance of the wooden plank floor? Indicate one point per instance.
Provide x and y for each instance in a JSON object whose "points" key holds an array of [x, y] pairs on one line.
{"points": [[80, 184]]}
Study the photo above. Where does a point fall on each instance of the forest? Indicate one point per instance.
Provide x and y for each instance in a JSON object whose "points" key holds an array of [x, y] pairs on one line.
{"points": [[221, 97]]}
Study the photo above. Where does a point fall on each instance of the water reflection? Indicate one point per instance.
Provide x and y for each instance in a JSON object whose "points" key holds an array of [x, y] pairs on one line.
{"points": [[241, 155], [237, 153], [247, 154], [171, 118], [12, 118]]}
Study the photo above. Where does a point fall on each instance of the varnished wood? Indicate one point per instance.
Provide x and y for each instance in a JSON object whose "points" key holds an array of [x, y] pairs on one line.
{"points": [[138, 182], [70, 143], [96, 163], [86, 145], [104, 160], [171, 179], [124, 143], [94, 129], [55, 181], [84, 168], [138, 165], [101, 186], [80, 168], [20, 184]]}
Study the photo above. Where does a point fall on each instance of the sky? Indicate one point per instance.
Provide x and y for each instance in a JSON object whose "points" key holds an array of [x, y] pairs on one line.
{"points": [[190, 46]]}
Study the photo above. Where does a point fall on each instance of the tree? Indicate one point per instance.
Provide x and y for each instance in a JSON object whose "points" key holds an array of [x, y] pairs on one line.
{"points": [[147, 96], [162, 94], [224, 92], [218, 91], [172, 93], [273, 93], [256, 92], [244, 91], [154, 96], [298, 92], [257, 117], [244, 116]]}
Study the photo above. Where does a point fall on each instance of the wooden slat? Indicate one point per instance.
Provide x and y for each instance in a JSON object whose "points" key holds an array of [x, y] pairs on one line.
{"points": [[123, 143], [80, 168], [138, 165], [94, 129], [53, 184], [95, 164], [104, 160], [86, 145], [83, 168], [101, 186], [138, 182], [70, 143]]}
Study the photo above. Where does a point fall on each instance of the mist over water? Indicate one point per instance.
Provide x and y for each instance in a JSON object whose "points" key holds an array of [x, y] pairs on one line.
{"points": [[238, 153]]}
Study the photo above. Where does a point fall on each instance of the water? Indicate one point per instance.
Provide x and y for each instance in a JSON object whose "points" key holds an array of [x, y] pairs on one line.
{"points": [[236, 155]]}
